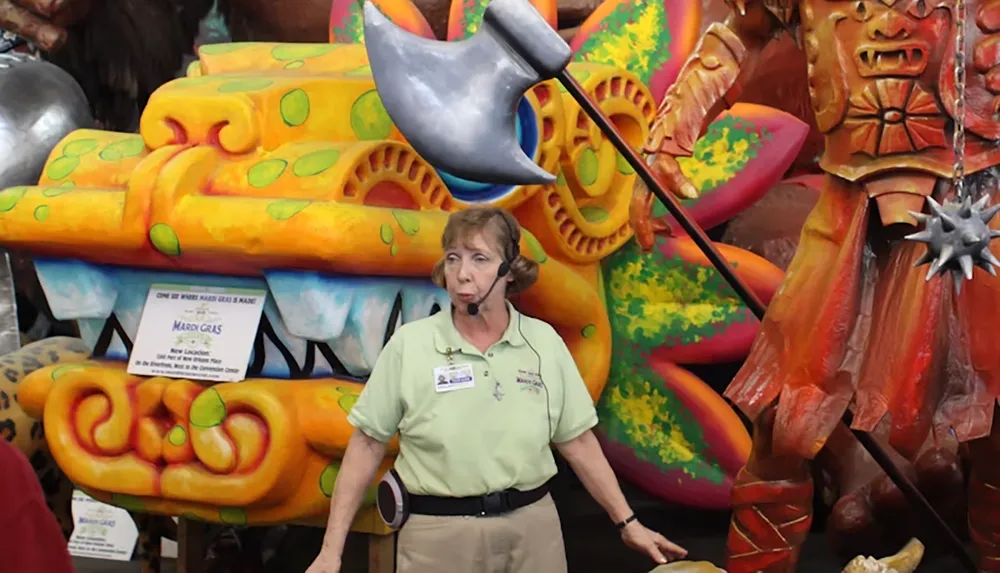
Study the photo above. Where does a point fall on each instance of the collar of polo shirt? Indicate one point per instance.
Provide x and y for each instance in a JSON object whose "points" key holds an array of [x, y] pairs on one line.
{"points": [[447, 336]]}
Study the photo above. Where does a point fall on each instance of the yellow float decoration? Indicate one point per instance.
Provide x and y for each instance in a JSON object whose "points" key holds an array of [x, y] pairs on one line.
{"points": [[274, 166]]}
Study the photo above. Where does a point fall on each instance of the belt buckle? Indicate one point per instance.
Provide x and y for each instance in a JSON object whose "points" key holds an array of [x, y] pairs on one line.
{"points": [[495, 503]]}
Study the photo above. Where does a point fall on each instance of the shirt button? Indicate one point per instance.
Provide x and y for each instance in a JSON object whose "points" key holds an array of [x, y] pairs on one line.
{"points": [[490, 355], [486, 373]]}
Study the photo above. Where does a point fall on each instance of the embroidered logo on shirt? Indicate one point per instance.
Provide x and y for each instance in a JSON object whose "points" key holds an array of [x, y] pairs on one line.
{"points": [[529, 381]]}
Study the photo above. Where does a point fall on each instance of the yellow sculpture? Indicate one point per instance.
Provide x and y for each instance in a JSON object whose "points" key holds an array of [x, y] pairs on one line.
{"points": [[274, 166]]}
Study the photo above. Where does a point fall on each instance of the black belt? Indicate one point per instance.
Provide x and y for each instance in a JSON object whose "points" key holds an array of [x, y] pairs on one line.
{"points": [[496, 503]]}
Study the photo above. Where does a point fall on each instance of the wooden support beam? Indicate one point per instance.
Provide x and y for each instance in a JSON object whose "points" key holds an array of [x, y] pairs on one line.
{"points": [[191, 546], [381, 553]]}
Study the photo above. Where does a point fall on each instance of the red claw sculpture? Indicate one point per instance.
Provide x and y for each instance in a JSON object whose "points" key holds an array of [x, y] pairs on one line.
{"points": [[910, 134]]}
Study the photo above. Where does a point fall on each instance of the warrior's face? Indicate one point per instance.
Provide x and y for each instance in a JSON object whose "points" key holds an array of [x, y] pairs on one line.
{"points": [[894, 38]]}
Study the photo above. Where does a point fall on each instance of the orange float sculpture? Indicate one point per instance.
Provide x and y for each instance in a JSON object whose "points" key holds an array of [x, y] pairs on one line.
{"points": [[273, 167]]}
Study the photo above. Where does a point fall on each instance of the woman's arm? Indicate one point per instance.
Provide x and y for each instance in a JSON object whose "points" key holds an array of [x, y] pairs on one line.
{"points": [[585, 456], [357, 470]]}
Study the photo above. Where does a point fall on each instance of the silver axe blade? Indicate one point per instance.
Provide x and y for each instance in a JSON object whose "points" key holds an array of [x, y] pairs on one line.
{"points": [[456, 102]]}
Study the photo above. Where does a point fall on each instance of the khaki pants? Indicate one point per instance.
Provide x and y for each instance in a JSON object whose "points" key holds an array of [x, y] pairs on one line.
{"points": [[527, 540]]}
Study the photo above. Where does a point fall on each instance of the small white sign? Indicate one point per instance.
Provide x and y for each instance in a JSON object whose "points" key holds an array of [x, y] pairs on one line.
{"points": [[100, 530], [198, 333]]}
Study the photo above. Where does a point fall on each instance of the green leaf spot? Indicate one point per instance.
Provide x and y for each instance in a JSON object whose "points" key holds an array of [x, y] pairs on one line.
{"points": [[164, 239], [233, 515], [247, 85], [407, 220], [131, 147], [594, 214], [328, 478], [347, 401], [177, 436], [65, 368], [226, 48], [369, 120], [360, 71], [295, 107], [192, 81], [285, 209], [57, 191], [61, 167], [10, 197], [393, 249], [623, 167], [266, 172], [587, 167], [588, 331], [385, 233], [78, 148], [294, 65], [285, 52], [534, 247], [42, 213], [315, 163], [208, 410], [129, 502]]}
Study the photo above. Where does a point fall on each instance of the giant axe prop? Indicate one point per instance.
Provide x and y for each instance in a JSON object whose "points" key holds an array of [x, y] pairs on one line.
{"points": [[455, 103]]}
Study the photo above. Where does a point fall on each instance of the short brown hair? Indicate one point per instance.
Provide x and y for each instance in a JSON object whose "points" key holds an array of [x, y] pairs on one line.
{"points": [[473, 220]]}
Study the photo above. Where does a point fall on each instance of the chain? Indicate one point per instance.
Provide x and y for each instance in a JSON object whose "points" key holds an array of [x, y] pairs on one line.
{"points": [[958, 138]]}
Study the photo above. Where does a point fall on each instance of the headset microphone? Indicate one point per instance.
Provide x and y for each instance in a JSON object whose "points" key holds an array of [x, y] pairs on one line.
{"points": [[473, 308]]}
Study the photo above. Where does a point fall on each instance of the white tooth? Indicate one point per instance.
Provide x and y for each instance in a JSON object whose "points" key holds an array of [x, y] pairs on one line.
{"points": [[75, 289], [79, 291], [275, 365], [359, 344], [419, 297], [312, 306], [871, 57], [878, 61]]}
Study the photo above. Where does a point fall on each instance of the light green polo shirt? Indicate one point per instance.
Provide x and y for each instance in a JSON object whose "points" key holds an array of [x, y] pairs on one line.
{"points": [[465, 442]]}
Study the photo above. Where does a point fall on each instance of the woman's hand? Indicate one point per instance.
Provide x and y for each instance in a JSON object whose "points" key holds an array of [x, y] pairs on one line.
{"points": [[326, 562], [659, 548]]}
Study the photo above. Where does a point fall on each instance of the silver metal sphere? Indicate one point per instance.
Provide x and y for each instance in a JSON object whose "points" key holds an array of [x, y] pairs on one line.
{"points": [[957, 235]]}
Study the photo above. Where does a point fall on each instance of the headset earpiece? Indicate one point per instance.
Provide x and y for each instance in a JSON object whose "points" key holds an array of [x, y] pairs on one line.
{"points": [[513, 249]]}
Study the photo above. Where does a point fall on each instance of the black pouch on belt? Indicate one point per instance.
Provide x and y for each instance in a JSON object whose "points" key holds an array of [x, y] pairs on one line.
{"points": [[392, 500]]}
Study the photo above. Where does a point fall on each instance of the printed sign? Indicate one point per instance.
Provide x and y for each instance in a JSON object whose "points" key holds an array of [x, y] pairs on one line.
{"points": [[199, 333], [100, 530]]}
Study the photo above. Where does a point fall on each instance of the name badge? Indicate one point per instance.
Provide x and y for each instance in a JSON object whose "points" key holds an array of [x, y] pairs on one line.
{"points": [[454, 377]]}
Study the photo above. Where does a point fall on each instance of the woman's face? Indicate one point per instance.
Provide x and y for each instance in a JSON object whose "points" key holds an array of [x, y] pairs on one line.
{"points": [[470, 267]]}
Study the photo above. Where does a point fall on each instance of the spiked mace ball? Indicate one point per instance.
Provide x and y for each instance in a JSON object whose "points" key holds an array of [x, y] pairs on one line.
{"points": [[957, 235]]}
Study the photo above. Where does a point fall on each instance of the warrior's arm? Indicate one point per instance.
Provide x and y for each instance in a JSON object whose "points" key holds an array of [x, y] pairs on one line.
{"points": [[712, 78]]}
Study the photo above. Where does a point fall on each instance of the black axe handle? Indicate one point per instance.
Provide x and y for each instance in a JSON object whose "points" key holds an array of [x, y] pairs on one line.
{"points": [[904, 484]]}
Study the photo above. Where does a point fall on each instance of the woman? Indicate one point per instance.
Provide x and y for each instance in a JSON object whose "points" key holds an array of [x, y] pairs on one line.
{"points": [[476, 407]]}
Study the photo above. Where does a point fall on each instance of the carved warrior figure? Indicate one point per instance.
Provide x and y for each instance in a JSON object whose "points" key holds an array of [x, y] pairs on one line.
{"points": [[855, 324]]}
